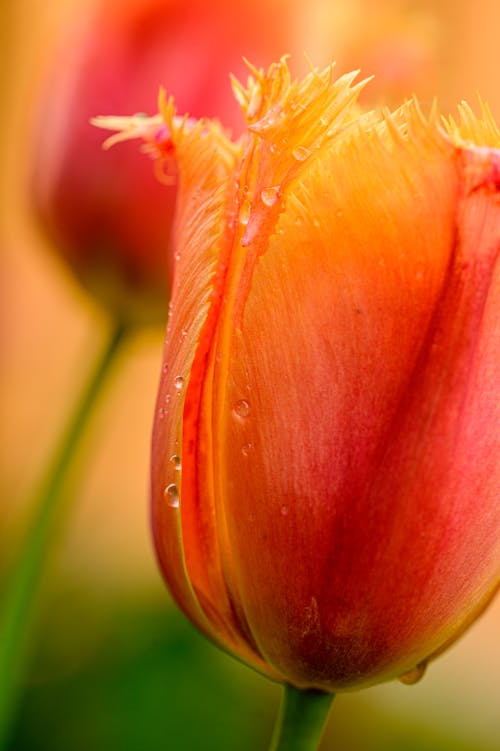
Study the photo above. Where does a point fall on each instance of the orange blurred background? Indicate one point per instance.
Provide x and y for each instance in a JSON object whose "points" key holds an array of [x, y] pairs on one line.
{"points": [[51, 331]]}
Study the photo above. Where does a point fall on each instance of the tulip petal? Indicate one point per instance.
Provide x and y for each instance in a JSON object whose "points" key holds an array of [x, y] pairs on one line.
{"points": [[183, 523], [208, 563], [350, 356]]}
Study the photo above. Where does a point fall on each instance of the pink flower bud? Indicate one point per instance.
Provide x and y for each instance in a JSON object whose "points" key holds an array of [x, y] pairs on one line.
{"points": [[107, 214]]}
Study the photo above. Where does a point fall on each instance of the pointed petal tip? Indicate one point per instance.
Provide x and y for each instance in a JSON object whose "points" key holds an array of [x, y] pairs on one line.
{"points": [[471, 129], [128, 127]]}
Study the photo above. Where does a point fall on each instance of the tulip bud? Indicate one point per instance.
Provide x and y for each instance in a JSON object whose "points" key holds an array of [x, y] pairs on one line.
{"points": [[325, 451], [106, 213]]}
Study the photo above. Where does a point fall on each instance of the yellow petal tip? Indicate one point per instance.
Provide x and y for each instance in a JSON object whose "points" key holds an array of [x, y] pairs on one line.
{"points": [[473, 130]]}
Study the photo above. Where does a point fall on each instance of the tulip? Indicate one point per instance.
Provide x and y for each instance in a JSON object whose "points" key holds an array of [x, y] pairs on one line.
{"points": [[325, 453], [106, 213]]}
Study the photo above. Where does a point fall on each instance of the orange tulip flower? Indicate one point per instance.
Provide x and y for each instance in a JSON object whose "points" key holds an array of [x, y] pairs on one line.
{"points": [[325, 480]]}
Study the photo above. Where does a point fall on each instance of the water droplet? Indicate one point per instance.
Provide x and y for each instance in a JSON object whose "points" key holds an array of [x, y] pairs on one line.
{"points": [[175, 459], [300, 153], [414, 675], [167, 398], [241, 408], [184, 333], [171, 495], [161, 413], [177, 256], [165, 369], [245, 214], [178, 382], [269, 196], [246, 449], [284, 510]]}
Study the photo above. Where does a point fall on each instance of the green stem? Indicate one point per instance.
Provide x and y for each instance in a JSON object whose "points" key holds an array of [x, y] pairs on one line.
{"points": [[301, 719], [18, 601]]}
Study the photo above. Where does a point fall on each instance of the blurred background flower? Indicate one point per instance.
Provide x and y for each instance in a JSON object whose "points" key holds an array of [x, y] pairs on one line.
{"points": [[115, 666], [107, 213]]}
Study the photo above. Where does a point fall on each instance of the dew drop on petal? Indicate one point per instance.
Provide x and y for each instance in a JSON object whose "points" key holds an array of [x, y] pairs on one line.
{"points": [[246, 449], [300, 153], [245, 214], [175, 460], [414, 675], [171, 495], [178, 382], [241, 408], [284, 511], [269, 196]]}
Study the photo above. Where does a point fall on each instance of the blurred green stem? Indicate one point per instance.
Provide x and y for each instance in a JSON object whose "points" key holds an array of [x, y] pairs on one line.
{"points": [[19, 599], [301, 719]]}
